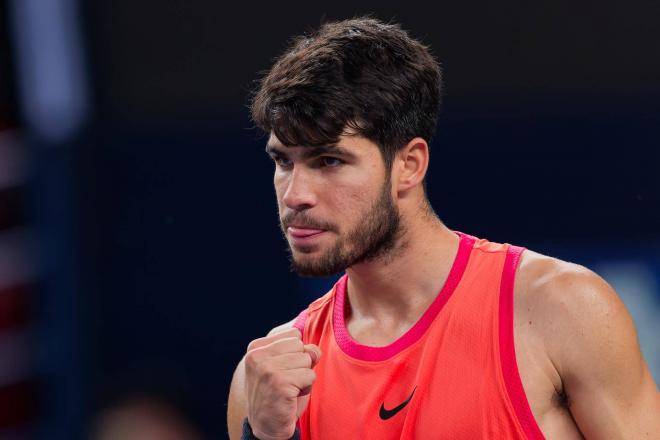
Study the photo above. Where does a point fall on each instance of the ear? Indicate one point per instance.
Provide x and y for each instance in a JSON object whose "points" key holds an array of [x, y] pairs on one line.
{"points": [[412, 161]]}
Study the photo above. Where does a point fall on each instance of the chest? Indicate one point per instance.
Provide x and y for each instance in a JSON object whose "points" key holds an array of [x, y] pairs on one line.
{"points": [[440, 387]]}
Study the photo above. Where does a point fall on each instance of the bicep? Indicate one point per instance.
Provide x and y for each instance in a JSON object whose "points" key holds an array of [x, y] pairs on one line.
{"points": [[611, 392]]}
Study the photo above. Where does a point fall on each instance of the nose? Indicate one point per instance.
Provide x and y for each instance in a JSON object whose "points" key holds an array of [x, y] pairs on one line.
{"points": [[299, 193]]}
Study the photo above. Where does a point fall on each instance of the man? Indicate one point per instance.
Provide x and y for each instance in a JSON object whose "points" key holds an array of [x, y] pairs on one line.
{"points": [[431, 333]]}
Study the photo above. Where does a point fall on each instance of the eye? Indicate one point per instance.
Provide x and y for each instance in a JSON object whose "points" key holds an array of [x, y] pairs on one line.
{"points": [[329, 161], [282, 161]]}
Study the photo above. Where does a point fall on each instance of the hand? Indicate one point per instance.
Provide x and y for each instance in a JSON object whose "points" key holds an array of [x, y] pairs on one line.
{"points": [[279, 378]]}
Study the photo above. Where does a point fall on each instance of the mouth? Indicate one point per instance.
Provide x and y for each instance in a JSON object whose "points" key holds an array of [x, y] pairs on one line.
{"points": [[301, 236], [303, 231]]}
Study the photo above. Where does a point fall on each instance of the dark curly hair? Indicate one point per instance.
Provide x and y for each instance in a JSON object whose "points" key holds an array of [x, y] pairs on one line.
{"points": [[361, 76]]}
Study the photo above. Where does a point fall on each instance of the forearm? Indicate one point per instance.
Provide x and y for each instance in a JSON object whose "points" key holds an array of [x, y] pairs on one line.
{"points": [[237, 403]]}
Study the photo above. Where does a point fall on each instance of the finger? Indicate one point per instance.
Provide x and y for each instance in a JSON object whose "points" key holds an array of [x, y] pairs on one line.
{"points": [[282, 346], [291, 361], [301, 378], [287, 345], [314, 353], [279, 330], [261, 342]]}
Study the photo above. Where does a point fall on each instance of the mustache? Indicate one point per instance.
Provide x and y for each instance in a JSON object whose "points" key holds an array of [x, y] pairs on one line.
{"points": [[303, 219]]}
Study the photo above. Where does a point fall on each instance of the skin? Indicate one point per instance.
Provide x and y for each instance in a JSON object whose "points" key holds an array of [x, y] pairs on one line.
{"points": [[576, 346]]}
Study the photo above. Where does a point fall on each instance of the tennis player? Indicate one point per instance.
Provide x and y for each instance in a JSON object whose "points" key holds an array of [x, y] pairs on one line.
{"points": [[430, 333]]}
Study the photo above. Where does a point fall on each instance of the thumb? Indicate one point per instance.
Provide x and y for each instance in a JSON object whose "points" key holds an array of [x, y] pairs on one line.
{"points": [[314, 352]]}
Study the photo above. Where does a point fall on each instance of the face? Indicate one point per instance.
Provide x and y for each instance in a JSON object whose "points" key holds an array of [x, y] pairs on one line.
{"points": [[335, 204]]}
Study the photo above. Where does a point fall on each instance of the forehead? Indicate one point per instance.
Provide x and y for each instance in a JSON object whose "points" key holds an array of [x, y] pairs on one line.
{"points": [[348, 143]]}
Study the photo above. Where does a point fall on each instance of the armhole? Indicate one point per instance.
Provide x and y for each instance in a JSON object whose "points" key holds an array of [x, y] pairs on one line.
{"points": [[512, 379], [299, 323]]}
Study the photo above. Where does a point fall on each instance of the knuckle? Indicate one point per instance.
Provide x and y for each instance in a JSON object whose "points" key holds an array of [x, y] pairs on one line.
{"points": [[263, 369], [307, 359], [250, 359], [254, 344], [256, 362], [298, 344]]}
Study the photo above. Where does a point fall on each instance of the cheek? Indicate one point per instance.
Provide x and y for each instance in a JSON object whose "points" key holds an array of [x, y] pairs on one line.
{"points": [[364, 190], [359, 188], [280, 186], [350, 202]]}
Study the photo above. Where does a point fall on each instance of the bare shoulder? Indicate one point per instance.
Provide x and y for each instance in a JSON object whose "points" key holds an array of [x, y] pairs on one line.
{"points": [[571, 303], [569, 300], [543, 275], [237, 402], [590, 338]]}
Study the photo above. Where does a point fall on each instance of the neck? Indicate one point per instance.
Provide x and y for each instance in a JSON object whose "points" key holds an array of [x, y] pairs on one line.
{"points": [[396, 289]]}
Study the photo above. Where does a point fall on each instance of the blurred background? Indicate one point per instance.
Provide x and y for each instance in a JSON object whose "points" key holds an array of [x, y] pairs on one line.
{"points": [[139, 245]]}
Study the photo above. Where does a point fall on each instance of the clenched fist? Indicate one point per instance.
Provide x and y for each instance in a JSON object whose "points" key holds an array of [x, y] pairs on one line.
{"points": [[279, 378]]}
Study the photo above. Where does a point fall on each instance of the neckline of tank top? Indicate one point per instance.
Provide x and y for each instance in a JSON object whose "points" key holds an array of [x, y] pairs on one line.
{"points": [[374, 354]]}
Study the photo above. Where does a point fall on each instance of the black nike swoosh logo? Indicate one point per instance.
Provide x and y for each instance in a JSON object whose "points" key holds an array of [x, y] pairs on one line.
{"points": [[389, 413]]}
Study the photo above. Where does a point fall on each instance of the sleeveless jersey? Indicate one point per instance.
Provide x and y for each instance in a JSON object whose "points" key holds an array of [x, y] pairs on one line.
{"points": [[453, 375]]}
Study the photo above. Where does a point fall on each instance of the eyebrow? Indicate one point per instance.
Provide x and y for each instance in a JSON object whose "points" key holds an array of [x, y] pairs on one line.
{"points": [[310, 152]]}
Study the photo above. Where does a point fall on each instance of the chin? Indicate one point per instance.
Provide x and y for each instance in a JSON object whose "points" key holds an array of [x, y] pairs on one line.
{"points": [[305, 250], [317, 265]]}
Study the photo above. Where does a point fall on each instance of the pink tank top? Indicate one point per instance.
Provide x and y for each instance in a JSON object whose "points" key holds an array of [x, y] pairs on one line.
{"points": [[453, 375]]}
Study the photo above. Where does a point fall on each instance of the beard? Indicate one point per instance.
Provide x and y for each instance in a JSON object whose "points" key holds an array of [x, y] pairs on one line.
{"points": [[375, 236]]}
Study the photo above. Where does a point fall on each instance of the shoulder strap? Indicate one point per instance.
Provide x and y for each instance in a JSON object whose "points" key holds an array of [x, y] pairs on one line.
{"points": [[507, 346]]}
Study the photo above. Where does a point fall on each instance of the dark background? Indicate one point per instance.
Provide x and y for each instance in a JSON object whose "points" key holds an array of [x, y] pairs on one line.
{"points": [[155, 222]]}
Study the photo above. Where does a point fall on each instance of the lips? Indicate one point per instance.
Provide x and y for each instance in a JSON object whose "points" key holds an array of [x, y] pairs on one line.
{"points": [[301, 232], [305, 239]]}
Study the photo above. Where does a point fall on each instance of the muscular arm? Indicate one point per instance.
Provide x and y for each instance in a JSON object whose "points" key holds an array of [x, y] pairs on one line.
{"points": [[237, 403], [592, 342]]}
